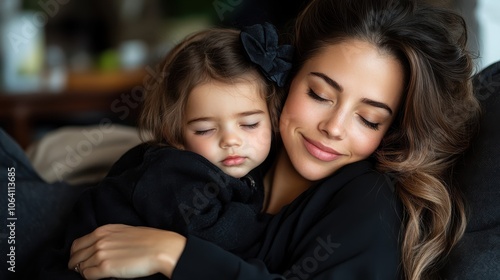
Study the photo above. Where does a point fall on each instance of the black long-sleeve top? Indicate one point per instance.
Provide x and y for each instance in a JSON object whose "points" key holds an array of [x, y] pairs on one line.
{"points": [[346, 227], [169, 189]]}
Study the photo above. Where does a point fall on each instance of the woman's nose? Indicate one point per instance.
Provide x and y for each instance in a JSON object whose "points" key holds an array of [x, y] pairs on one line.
{"points": [[230, 139], [334, 126]]}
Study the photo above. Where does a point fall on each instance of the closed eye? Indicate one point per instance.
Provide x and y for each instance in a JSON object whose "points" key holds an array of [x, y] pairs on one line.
{"points": [[371, 125], [251, 126], [203, 132], [316, 97]]}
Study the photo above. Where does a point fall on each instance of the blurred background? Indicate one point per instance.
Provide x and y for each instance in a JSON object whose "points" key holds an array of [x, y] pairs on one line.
{"points": [[75, 62]]}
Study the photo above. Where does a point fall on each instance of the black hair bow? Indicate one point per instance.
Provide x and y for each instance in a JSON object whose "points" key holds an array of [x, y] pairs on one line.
{"points": [[261, 44]]}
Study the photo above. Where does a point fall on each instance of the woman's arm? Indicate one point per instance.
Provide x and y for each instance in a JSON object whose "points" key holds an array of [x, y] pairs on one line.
{"points": [[127, 252], [213, 262], [123, 251]]}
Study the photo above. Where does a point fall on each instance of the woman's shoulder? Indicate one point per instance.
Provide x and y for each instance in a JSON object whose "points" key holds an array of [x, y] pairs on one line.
{"points": [[353, 216], [361, 182], [356, 192], [365, 195]]}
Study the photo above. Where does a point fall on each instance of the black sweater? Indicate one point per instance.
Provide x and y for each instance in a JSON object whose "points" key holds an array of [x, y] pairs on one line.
{"points": [[169, 189], [346, 227]]}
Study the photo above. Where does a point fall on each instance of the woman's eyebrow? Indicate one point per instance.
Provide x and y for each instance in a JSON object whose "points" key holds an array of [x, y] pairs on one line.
{"points": [[339, 88], [377, 104], [328, 80]]}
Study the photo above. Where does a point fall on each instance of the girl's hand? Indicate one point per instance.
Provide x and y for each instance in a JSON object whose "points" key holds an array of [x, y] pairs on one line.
{"points": [[126, 252]]}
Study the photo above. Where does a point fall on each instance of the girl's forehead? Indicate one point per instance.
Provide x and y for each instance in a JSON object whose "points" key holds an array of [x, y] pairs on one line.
{"points": [[236, 92]]}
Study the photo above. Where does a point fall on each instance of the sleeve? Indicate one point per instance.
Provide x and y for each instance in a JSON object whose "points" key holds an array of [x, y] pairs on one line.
{"points": [[213, 262], [183, 192]]}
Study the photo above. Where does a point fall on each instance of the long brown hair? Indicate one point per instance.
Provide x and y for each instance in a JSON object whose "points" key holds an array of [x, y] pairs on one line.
{"points": [[212, 54], [436, 119]]}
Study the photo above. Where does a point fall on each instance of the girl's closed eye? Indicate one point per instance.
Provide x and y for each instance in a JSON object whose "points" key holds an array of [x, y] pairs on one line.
{"points": [[251, 126], [204, 131]]}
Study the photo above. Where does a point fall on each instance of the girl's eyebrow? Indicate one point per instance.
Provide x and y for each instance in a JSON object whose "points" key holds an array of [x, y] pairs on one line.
{"points": [[242, 114], [201, 119], [249, 113], [339, 88]]}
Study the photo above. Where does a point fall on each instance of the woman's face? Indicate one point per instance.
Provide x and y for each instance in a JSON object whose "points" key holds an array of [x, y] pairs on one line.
{"points": [[340, 105]]}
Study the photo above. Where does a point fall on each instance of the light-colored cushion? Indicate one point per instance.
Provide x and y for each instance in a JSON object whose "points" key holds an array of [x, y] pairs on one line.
{"points": [[81, 154]]}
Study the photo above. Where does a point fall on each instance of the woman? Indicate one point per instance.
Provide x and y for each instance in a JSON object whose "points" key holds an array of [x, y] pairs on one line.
{"points": [[380, 98]]}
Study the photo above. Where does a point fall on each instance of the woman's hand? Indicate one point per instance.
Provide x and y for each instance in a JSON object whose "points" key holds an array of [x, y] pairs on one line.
{"points": [[126, 252]]}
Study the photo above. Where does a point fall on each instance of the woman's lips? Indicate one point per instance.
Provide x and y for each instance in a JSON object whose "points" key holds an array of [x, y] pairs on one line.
{"points": [[320, 151], [233, 160]]}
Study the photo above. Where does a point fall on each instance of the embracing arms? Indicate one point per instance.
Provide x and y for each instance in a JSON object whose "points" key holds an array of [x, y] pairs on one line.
{"points": [[347, 228]]}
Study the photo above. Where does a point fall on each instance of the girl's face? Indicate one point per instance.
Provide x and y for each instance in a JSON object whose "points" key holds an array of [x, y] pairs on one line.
{"points": [[340, 105], [229, 125]]}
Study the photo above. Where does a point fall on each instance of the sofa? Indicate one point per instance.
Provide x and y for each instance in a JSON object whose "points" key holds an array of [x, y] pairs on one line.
{"points": [[477, 255]]}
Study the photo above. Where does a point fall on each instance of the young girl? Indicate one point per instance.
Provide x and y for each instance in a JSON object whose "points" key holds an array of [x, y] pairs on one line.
{"points": [[211, 118]]}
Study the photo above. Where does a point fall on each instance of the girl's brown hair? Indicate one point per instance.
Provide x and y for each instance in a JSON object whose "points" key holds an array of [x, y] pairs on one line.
{"points": [[435, 121], [213, 54]]}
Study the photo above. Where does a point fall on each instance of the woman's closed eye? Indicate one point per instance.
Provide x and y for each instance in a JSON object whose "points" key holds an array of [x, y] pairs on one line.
{"points": [[371, 125], [365, 122], [316, 97]]}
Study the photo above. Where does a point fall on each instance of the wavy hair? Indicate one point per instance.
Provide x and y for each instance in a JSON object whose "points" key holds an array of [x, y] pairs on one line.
{"points": [[212, 54], [435, 122]]}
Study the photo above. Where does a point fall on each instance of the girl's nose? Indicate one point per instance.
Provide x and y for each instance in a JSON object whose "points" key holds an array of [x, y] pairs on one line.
{"points": [[230, 139]]}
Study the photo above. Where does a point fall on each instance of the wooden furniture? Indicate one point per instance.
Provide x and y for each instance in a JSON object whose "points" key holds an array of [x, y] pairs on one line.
{"points": [[116, 93]]}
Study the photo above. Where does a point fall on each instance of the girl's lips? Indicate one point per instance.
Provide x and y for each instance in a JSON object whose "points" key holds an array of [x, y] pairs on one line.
{"points": [[320, 151], [233, 160]]}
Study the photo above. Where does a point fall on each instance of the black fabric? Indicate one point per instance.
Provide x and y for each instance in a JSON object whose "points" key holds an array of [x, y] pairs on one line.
{"points": [[346, 227], [40, 211], [477, 255], [167, 189], [260, 42]]}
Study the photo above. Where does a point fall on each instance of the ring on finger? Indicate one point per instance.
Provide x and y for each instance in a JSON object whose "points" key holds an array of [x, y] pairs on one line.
{"points": [[77, 267]]}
